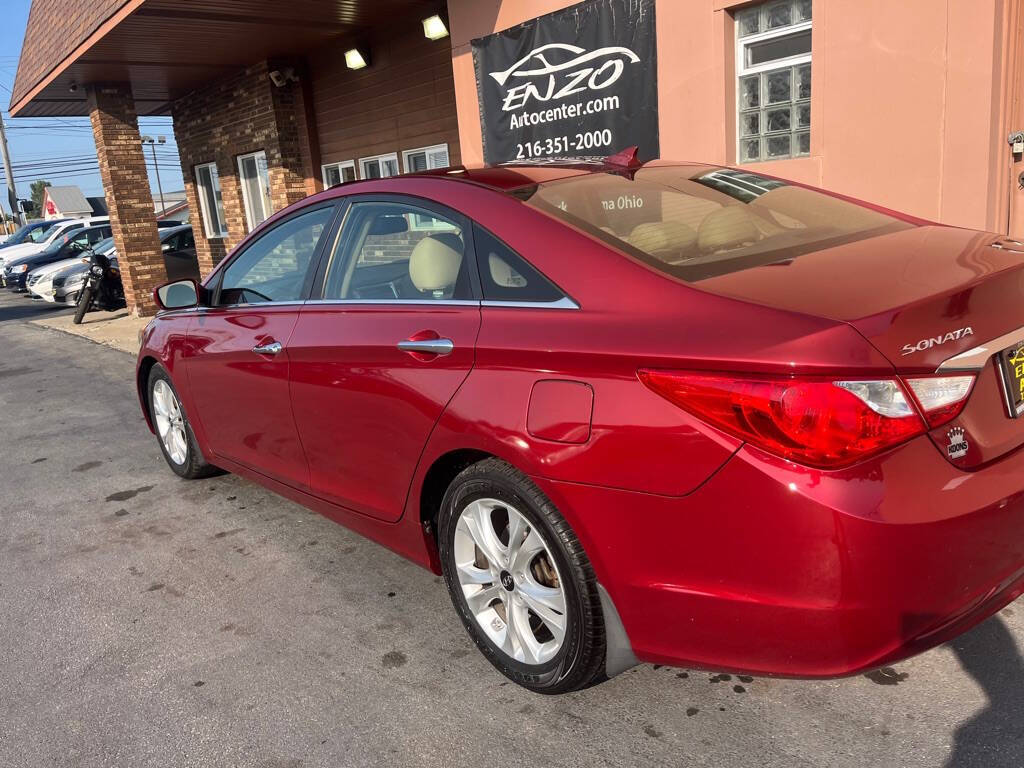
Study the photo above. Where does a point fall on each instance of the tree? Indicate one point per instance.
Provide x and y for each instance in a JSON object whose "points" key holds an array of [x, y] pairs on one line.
{"points": [[38, 190]]}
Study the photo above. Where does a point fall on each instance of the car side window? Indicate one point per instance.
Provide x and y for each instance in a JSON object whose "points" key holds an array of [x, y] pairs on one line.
{"points": [[399, 252], [507, 276], [95, 235], [274, 267], [81, 242]]}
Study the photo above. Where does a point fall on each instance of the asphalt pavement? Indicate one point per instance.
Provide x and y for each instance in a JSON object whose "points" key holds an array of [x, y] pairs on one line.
{"points": [[151, 621]]}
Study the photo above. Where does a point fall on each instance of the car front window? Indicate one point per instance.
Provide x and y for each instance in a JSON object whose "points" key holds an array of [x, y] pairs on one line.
{"points": [[42, 234], [22, 235], [274, 267]]}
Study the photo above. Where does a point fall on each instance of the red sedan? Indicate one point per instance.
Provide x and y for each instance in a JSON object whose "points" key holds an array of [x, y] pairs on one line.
{"points": [[674, 413]]}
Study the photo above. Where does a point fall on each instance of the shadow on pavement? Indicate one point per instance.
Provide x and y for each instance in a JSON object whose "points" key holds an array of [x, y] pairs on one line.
{"points": [[993, 738], [17, 307]]}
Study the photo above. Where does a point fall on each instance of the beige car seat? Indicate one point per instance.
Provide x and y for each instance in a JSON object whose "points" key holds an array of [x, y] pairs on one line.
{"points": [[435, 263], [667, 240], [725, 229]]}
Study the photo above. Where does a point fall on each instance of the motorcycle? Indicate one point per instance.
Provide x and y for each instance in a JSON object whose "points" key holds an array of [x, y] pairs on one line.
{"points": [[102, 288]]}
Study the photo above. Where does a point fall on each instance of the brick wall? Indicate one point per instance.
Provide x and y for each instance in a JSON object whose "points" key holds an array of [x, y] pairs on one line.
{"points": [[241, 114], [115, 128]]}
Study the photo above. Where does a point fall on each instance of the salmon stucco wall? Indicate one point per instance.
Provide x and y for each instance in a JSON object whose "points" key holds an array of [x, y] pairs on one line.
{"points": [[905, 103]]}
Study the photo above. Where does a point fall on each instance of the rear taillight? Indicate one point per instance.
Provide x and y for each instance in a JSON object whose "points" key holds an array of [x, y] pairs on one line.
{"points": [[827, 423], [941, 398]]}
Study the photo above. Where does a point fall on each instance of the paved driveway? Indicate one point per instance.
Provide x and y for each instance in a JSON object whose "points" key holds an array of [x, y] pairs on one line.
{"points": [[149, 621]]}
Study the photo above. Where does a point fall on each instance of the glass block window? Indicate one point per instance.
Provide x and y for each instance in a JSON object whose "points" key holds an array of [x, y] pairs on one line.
{"points": [[773, 68]]}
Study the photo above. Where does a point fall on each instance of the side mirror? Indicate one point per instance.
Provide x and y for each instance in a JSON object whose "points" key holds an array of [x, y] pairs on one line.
{"points": [[181, 294]]}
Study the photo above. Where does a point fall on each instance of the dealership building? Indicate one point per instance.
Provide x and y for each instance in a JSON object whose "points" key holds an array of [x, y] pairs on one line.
{"points": [[908, 104]]}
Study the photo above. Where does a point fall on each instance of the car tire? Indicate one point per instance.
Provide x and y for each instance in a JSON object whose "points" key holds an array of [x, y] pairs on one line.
{"points": [[82, 305], [174, 434], [533, 565]]}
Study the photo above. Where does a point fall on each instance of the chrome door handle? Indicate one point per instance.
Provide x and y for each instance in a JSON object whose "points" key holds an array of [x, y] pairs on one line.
{"points": [[273, 348], [428, 346]]}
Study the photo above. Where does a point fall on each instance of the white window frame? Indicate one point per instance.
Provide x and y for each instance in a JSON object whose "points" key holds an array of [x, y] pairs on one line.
{"points": [[378, 158], [426, 151], [247, 203], [742, 70], [340, 166], [208, 219]]}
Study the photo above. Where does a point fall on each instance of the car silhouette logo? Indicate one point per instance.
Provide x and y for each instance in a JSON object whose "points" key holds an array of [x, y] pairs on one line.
{"points": [[584, 70]]}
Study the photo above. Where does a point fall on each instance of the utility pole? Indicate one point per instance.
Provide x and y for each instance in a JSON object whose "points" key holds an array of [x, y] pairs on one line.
{"points": [[156, 166], [8, 171]]}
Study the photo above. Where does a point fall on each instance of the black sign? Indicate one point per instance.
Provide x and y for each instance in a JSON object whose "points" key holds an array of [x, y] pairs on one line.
{"points": [[578, 82], [1011, 362]]}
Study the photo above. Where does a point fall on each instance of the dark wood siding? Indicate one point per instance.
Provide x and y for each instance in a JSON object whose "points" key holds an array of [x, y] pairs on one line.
{"points": [[405, 99]]}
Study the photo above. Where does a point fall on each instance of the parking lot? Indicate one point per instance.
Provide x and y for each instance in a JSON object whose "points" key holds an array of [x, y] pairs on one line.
{"points": [[150, 621]]}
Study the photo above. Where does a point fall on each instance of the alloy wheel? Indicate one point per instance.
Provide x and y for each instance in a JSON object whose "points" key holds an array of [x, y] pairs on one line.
{"points": [[510, 581], [170, 422]]}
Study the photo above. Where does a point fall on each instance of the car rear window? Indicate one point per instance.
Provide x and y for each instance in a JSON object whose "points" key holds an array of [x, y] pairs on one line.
{"points": [[699, 222]]}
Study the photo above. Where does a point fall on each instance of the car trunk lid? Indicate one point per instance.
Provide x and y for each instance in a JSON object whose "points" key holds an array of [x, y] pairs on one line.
{"points": [[921, 296]]}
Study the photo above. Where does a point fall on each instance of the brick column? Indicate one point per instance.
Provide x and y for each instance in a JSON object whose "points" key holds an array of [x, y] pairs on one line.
{"points": [[238, 115], [115, 128]]}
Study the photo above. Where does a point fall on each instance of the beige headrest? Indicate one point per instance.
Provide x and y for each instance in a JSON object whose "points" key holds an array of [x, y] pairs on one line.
{"points": [[662, 237], [502, 273], [435, 262], [727, 228]]}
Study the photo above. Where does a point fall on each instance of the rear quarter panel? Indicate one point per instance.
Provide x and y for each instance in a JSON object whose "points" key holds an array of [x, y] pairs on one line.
{"points": [[630, 317]]}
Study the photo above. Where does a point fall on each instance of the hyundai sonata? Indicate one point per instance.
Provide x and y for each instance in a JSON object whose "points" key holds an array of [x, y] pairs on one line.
{"points": [[667, 412]]}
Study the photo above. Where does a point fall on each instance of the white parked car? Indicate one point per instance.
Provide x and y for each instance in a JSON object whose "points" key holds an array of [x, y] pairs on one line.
{"points": [[64, 285], [40, 281], [49, 236]]}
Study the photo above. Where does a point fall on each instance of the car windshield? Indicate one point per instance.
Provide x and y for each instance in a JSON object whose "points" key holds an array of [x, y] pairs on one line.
{"points": [[103, 246], [56, 245], [40, 235], [23, 234], [696, 222]]}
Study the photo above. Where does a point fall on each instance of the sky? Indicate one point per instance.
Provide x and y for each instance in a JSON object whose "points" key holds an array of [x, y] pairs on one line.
{"points": [[61, 150]]}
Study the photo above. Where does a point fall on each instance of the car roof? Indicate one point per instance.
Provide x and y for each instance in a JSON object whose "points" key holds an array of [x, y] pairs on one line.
{"points": [[509, 177], [167, 232], [517, 175]]}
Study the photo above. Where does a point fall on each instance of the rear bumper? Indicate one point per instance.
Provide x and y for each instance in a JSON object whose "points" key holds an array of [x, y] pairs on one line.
{"points": [[775, 569]]}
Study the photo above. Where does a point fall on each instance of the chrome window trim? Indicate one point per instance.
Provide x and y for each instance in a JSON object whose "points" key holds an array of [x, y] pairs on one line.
{"points": [[399, 302], [294, 303], [563, 303], [974, 359]]}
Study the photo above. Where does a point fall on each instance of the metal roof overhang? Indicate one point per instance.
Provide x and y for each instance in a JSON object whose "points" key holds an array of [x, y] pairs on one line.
{"points": [[168, 48]]}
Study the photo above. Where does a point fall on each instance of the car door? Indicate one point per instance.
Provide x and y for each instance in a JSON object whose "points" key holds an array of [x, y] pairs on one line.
{"points": [[382, 349], [238, 353]]}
